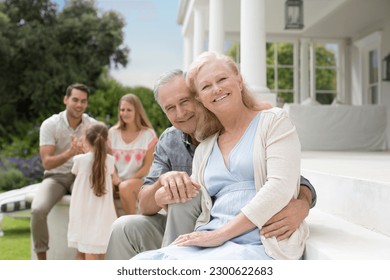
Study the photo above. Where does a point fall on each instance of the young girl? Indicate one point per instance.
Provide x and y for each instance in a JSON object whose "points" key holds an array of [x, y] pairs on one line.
{"points": [[132, 142], [92, 209]]}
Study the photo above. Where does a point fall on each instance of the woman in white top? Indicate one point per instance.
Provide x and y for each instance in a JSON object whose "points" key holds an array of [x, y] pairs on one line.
{"points": [[132, 141]]}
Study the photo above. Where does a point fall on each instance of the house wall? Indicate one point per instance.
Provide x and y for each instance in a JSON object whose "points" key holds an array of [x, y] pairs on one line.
{"points": [[357, 77], [385, 97]]}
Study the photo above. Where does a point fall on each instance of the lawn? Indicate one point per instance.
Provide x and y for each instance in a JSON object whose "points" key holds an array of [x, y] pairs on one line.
{"points": [[15, 244]]}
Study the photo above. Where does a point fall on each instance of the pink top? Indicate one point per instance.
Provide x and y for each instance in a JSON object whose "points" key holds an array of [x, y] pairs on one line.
{"points": [[129, 157]]}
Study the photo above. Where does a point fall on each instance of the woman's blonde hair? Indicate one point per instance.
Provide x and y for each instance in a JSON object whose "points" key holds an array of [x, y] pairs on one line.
{"points": [[208, 123], [141, 119]]}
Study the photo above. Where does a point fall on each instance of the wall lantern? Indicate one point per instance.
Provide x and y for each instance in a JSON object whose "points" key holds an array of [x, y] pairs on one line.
{"points": [[386, 68], [294, 14]]}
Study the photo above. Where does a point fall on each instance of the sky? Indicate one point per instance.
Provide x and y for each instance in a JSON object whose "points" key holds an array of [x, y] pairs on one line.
{"points": [[153, 36]]}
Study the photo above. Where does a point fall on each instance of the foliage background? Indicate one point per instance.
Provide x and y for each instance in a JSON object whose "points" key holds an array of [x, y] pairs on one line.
{"points": [[42, 51]]}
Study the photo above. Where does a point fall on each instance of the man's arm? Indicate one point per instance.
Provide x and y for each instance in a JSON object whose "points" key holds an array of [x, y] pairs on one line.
{"points": [[305, 184], [50, 160], [146, 200], [286, 221], [163, 183], [160, 165]]}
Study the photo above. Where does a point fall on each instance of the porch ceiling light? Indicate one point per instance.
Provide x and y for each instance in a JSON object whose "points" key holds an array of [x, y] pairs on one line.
{"points": [[294, 14]]}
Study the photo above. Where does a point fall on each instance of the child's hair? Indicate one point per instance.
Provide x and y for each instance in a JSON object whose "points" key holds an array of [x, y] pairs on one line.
{"points": [[96, 135]]}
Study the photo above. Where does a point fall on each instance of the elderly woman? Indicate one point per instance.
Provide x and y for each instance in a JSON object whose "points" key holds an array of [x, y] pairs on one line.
{"points": [[248, 164]]}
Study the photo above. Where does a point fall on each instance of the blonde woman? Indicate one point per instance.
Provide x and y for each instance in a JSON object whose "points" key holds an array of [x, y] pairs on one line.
{"points": [[132, 141]]}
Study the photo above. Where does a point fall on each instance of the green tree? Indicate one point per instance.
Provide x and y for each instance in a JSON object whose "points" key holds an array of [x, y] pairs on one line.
{"points": [[43, 50], [325, 74], [284, 69], [234, 52]]}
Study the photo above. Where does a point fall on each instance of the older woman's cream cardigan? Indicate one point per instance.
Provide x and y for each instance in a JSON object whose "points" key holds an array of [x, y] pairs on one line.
{"points": [[276, 161]]}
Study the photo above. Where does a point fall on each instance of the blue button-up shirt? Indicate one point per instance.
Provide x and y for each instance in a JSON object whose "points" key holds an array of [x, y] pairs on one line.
{"points": [[173, 152]]}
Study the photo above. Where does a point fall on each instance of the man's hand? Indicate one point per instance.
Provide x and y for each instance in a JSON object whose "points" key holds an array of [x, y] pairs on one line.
{"points": [[76, 145], [178, 187], [50, 160], [285, 222], [163, 198]]}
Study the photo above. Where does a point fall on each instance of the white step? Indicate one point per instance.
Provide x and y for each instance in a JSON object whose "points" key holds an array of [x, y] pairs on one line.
{"points": [[332, 238], [352, 185]]}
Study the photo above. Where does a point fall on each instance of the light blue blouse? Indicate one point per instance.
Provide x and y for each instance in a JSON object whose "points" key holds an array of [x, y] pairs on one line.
{"points": [[232, 187]]}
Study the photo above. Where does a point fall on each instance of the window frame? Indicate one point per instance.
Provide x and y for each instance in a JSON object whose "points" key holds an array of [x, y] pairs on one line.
{"points": [[339, 68], [369, 43], [294, 67]]}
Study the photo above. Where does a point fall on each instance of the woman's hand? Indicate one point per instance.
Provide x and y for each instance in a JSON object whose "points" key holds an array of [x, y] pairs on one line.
{"points": [[115, 179], [201, 238], [237, 226]]}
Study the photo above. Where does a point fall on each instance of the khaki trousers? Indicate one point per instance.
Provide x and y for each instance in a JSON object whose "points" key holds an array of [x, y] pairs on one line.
{"points": [[133, 234], [51, 190]]}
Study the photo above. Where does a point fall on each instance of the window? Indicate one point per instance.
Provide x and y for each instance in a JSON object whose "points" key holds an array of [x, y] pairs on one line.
{"points": [[280, 71], [369, 51], [283, 69], [233, 50], [373, 74], [326, 72]]}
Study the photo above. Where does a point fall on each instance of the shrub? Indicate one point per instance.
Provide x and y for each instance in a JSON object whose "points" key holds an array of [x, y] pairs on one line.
{"points": [[17, 172], [31, 167], [23, 141], [12, 179]]}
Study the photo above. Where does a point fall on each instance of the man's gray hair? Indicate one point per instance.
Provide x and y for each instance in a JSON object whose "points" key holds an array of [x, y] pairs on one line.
{"points": [[164, 79]]}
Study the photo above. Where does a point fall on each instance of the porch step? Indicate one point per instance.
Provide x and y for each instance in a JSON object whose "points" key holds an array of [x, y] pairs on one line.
{"points": [[332, 238], [354, 186], [351, 218]]}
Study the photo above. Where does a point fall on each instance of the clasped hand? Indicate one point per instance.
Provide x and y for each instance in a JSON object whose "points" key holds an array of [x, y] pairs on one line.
{"points": [[176, 187], [76, 145]]}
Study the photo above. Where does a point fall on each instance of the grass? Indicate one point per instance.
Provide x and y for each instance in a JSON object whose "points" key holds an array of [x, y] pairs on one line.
{"points": [[15, 244]]}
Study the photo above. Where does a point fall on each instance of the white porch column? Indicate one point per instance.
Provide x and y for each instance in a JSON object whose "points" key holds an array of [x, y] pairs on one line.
{"points": [[311, 100], [343, 77], [253, 48], [216, 26], [188, 51], [304, 70], [199, 31]]}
